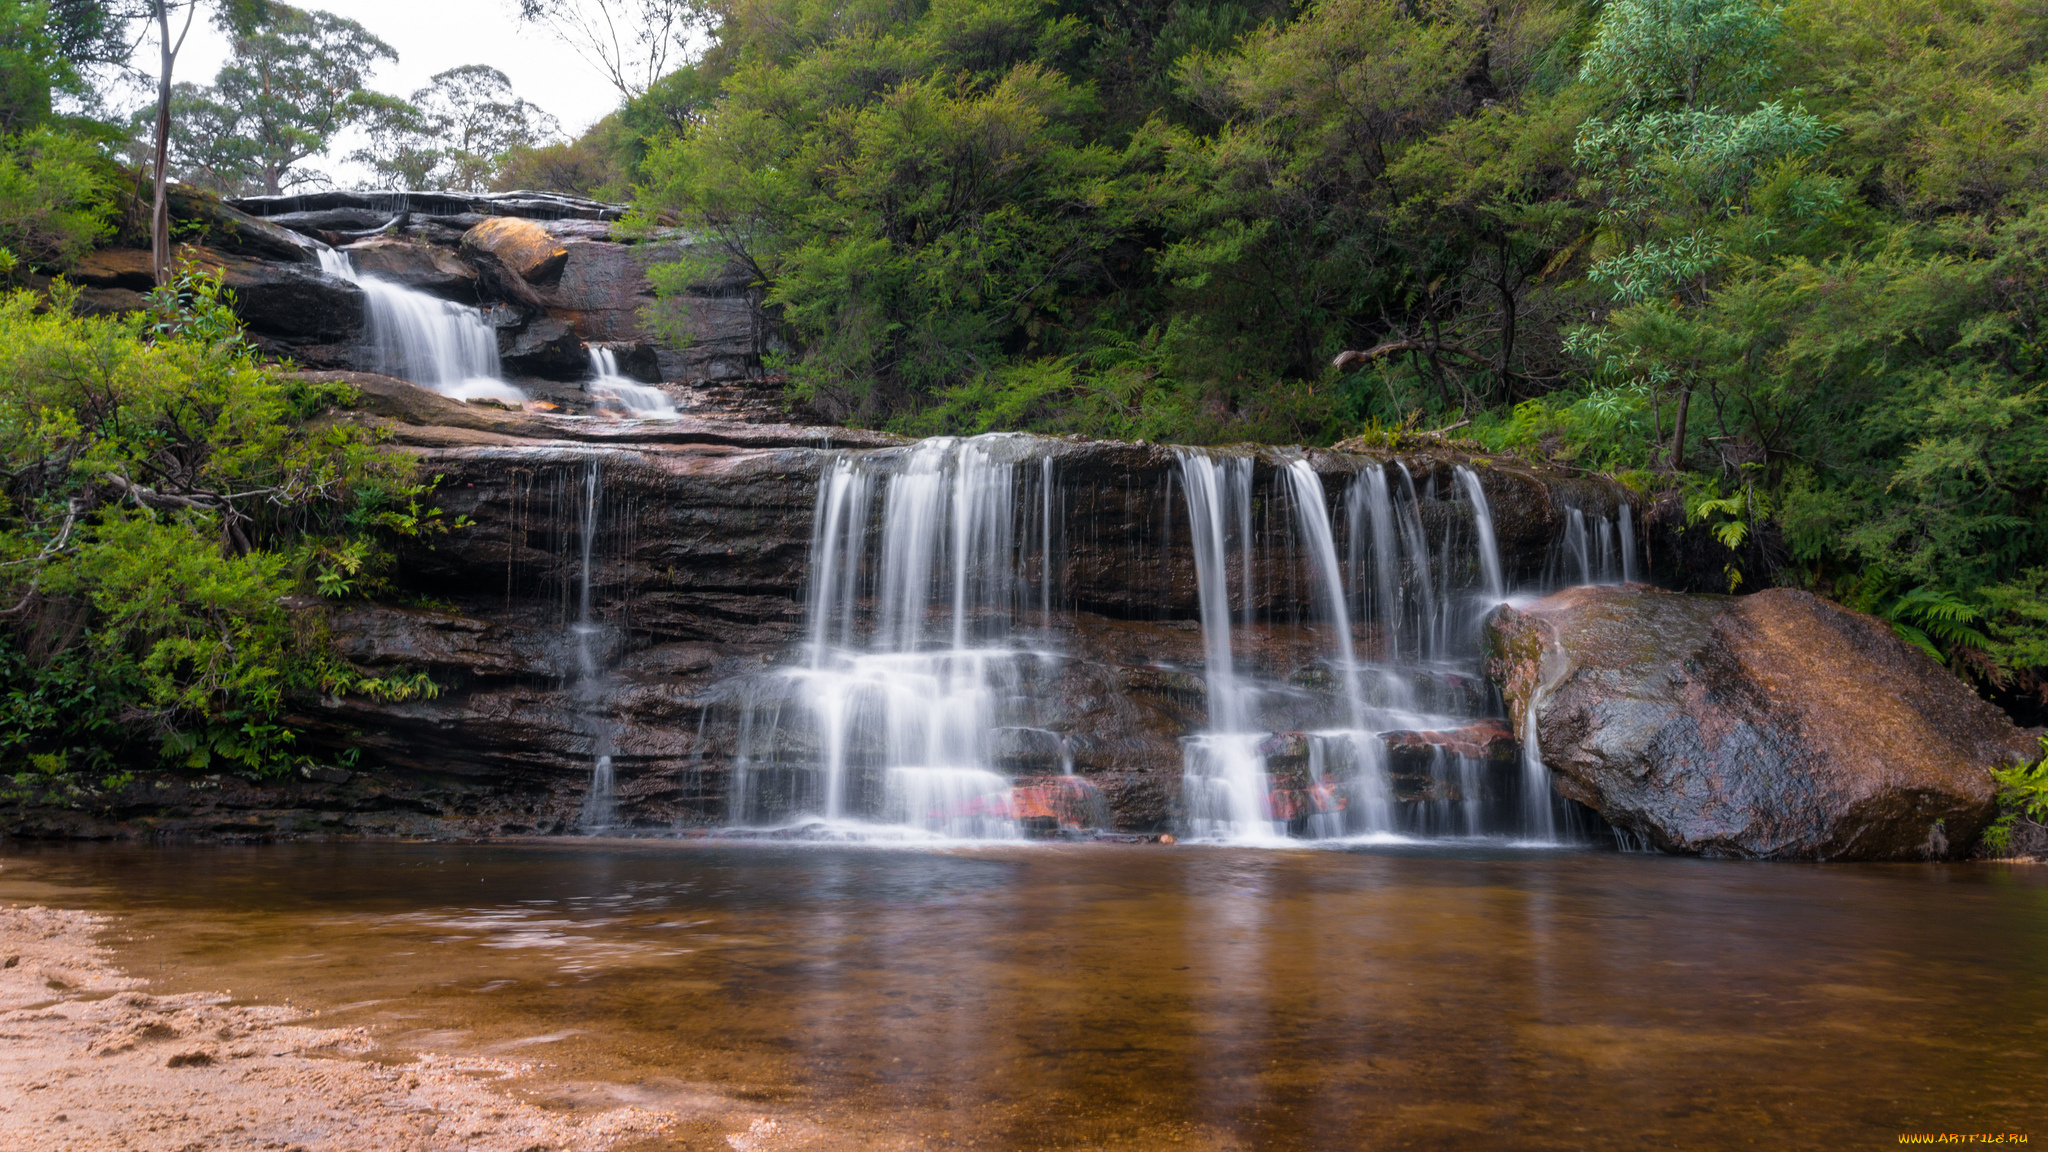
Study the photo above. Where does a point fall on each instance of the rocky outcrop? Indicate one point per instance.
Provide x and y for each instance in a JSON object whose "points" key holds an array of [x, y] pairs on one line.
{"points": [[700, 563], [553, 278], [1775, 726], [700, 558], [522, 247], [292, 309]]}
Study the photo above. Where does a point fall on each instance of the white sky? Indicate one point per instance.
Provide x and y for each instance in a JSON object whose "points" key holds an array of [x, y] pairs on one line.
{"points": [[431, 36]]}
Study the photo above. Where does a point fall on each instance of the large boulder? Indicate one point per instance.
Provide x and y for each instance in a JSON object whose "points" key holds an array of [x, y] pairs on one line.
{"points": [[545, 347], [291, 303], [521, 247], [1776, 725]]}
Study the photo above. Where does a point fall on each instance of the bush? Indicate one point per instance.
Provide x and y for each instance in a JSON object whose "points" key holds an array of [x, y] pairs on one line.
{"points": [[163, 497], [56, 199]]}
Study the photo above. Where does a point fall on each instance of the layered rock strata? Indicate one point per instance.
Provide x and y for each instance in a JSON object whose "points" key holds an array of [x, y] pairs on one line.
{"points": [[699, 566]]}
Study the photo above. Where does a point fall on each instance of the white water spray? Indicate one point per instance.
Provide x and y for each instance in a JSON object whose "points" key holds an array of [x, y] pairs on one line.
{"points": [[910, 670], [429, 341], [632, 399]]}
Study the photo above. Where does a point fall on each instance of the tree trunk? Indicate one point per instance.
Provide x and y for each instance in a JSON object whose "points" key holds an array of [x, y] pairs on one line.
{"points": [[1504, 379], [1678, 429], [160, 214]]}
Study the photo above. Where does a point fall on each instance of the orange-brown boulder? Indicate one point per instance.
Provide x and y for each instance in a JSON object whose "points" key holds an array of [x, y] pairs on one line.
{"points": [[1776, 725], [521, 247]]}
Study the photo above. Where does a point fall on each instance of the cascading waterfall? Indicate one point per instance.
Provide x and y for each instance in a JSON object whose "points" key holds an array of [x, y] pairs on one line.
{"points": [[922, 690], [911, 667], [1594, 549], [635, 400], [424, 339], [1482, 520], [1278, 761]]}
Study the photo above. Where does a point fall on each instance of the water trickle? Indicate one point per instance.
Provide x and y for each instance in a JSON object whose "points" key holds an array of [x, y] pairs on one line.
{"points": [[1628, 545], [429, 341], [1576, 546], [1539, 815], [1482, 523], [1593, 549], [600, 804], [629, 397]]}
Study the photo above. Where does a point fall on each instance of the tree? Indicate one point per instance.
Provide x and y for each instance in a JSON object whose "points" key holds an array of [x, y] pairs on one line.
{"points": [[1675, 165], [31, 66], [634, 43], [239, 15], [454, 133], [291, 84]]}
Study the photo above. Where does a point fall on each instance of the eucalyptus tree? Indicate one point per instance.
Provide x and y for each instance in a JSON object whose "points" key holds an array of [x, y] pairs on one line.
{"points": [[454, 133], [290, 85], [634, 43], [237, 15]]}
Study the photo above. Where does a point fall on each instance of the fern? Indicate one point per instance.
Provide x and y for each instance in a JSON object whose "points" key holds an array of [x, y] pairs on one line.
{"points": [[2022, 792], [1932, 618]]}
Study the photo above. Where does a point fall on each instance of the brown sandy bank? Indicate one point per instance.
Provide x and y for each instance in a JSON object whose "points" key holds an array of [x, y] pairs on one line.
{"points": [[89, 1061]]}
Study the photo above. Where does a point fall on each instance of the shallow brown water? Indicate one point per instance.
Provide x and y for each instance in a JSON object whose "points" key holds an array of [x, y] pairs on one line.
{"points": [[1142, 996]]}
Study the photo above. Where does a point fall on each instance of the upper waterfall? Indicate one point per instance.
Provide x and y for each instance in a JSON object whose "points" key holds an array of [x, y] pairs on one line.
{"points": [[425, 339]]}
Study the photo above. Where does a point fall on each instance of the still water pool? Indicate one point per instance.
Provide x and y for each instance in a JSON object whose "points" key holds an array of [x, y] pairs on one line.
{"points": [[1084, 996]]}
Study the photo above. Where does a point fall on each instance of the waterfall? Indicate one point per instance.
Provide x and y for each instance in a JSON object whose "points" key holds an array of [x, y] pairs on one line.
{"points": [[1593, 550], [429, 341], [922, 698], [910, 666], [1482, 522], [1224, 783], [1312, 520], [1575, 544], [1317, 757], [1538, 816], [613, 389], [600, 804]]}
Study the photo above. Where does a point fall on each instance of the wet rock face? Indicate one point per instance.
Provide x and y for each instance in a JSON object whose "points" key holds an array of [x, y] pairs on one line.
{"points": [[699, 564], [1774, 726]]}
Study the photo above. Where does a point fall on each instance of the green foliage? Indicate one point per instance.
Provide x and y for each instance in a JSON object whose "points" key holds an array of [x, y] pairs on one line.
{"points": [[453, 134], [1604, 428], [165, 498], [56, 198], [1787, 261], [2022, 792], [1684, 53], [292, 83]]}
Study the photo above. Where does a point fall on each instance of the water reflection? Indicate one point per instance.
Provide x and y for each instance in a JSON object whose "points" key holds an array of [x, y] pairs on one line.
{"points": [[1080, 996]]}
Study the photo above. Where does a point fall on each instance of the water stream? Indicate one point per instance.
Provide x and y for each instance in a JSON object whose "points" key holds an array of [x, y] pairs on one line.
{"points": [[613, 389], [586, 634], [913, 677], [427, 340]]}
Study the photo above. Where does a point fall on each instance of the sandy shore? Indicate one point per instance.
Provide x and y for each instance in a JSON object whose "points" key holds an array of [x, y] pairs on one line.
{"points": [[89, 1061]]}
